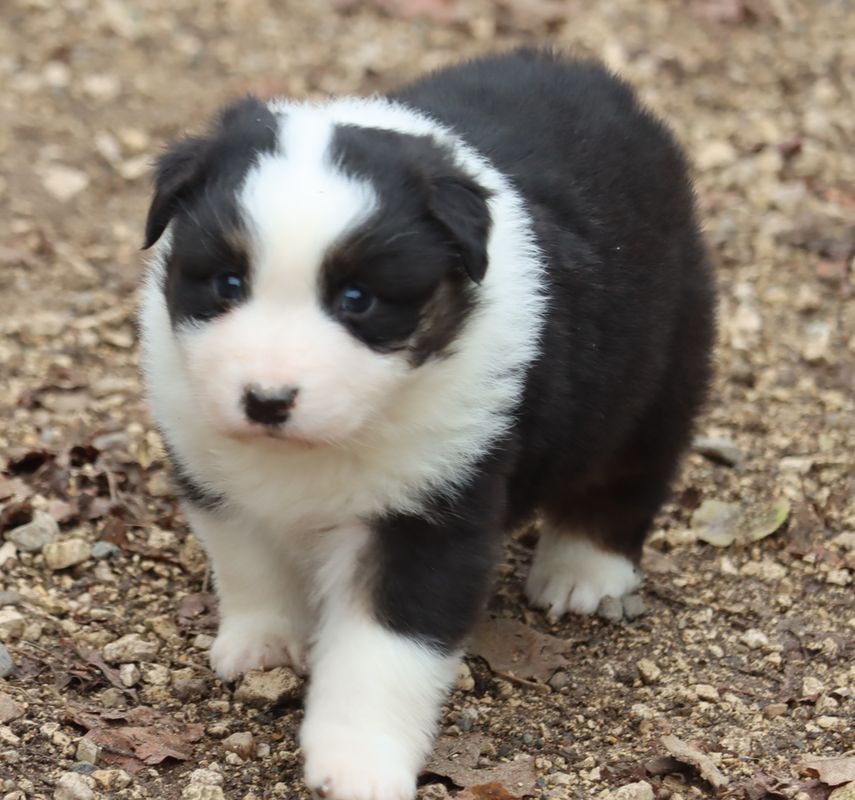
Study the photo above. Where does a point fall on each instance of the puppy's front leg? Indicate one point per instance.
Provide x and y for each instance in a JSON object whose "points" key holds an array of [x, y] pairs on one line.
{"points": [[396, 602], [264, 615]]}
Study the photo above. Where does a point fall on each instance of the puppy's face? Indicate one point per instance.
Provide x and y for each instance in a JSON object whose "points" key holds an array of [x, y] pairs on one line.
{"points": [[312, 269]]}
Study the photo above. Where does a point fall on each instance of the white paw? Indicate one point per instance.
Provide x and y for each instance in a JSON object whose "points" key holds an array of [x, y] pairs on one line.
{"points": [[354, 764], [573, 574], [256, 641]]}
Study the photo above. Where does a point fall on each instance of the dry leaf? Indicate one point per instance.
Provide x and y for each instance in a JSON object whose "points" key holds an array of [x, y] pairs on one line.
{"points": [[511, 647], [137, 738], [831, 771], [690, 755], [455, 758], [721, 524]]}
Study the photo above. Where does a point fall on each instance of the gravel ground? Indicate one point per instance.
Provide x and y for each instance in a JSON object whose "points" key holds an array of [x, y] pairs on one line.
{"points": [[737, 665]]}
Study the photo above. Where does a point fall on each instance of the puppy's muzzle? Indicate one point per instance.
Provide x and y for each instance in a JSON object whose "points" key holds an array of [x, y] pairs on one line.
{"points": [[269, 407]]}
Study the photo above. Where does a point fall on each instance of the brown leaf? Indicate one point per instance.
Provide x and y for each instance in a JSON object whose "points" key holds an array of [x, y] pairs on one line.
{"points": [[831, 771], [455, 758], [137, 738], [93, 657], [511, 647], [486, 791], [690, 755]]}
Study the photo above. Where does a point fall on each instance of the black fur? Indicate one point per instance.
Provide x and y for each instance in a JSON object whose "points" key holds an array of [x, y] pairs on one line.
{"points": [[432, 218], [196, 185], [608, 407]]}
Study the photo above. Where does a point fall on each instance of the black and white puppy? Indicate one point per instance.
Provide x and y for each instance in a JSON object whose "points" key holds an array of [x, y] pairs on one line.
{"points": [[380, 332]]}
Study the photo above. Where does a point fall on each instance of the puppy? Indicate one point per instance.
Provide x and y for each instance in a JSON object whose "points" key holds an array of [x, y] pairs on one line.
{"points": [[380, 332]]}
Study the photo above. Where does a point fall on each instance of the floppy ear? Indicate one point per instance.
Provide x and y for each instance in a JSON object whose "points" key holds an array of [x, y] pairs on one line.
{"points": [[175, 172], [459, 204]]}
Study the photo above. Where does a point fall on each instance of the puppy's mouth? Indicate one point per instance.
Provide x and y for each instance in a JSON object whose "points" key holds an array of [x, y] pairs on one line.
{"points": [[271, 435]]}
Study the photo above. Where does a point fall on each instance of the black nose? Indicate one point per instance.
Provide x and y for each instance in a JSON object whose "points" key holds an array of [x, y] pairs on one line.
{"points": [[268, 406]]}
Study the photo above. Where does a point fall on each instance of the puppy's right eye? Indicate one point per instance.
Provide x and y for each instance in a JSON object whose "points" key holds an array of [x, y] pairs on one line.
{"points": [[229, 287]]}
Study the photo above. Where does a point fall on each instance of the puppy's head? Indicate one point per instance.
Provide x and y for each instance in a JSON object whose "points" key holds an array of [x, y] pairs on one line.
{"points": [[312, 269]]}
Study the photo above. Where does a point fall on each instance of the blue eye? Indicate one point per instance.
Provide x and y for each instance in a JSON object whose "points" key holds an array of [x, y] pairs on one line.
{"points": [[355, 301], [229, 286]]}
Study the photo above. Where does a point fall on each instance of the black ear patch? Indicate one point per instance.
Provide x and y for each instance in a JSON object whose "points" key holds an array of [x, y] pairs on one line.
{"points": [[239, 134], [459, 205], [176, 171]]}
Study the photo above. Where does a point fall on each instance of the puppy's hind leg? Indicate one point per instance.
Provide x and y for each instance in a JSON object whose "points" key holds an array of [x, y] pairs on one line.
{"points": [[590, 545]]}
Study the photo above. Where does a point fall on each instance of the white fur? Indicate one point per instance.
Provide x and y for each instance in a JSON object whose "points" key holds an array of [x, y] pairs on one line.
{"points": [[571, 573], [374, 696]]}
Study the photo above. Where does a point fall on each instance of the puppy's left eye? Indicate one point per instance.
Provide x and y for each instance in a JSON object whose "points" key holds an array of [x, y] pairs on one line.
{"points": [[229, 287], [355, 301]]}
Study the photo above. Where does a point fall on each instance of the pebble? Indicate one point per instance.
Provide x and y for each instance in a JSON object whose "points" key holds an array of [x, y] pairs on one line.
{"points": [[610, 609], [812, 688], [838, 577], [634, 607], [73, 786], [268, 688], [129, 674], [12, 625], [63, 182], [754, 639], [765, 570], [775, 710], [649, 671], [7, 666], [718, 449], [241, 743], [846, 792], [104, 550], [188, 689], [112, 778], [9, 709], [88, 751], [707, 692], [632, 791], [156, 674], [61, 555], [131, 647], [206, 777], [817, 343], [202, 791], [464, 681], [10, 599], [559, 680], [35, 534]]}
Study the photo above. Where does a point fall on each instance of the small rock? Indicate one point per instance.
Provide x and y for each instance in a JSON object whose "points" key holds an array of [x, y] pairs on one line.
{"points": [[104, 550], [9, 709], [268, 688], [129, 674], [754, 639], [464, 682], [838, 577], [706, 692], [649, 671], [61, 555], [73, 786], [156, 674], [131, 647], [610, 609], [88, 751], [202, 791], [10, 599], [34, 535], [634, 607], [774, 710], [718, 449], [7, 666], [812, 688], [765, 570], [112, 698], [12, 624], [714, 154], [631, 791], [559, 680], [241, 743], [203, 641], [111, 778], [63, 182], [817, 342], [206, 777], [188, 689]]}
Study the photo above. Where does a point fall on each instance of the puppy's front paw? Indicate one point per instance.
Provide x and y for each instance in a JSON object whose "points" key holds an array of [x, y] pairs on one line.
{"points": [[573, 574], [344, 764], [253, 641]]}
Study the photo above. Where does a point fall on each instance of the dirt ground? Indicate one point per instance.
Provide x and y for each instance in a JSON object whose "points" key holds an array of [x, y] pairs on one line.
{"points": [[743, 652]]}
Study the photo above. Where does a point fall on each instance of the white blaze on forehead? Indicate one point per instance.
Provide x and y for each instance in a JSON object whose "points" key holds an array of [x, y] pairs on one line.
{"points": [[296, 204]]}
